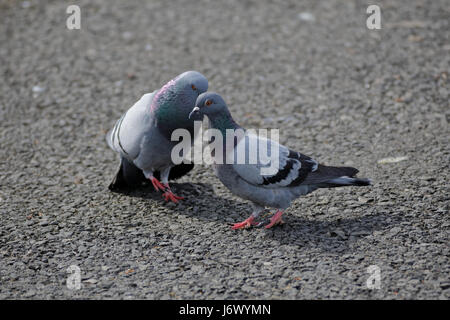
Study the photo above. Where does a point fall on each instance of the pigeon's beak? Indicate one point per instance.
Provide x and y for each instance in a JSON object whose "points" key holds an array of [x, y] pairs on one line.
{"points": [[195, 114]]}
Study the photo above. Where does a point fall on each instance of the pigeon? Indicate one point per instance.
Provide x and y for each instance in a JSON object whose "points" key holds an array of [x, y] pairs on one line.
{"points": [[142, 136], [293, 175]]}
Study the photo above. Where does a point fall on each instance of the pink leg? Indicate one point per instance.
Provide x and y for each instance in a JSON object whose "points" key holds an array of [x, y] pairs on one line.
{"points": [[157, 185], [276, 219], [168, 195], [245, 224]]}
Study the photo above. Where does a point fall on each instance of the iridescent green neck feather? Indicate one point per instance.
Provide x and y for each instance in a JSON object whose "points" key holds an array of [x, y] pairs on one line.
{"points": [[222, 122]]}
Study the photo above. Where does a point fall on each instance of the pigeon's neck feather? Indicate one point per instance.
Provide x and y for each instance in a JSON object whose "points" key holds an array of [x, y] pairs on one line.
{"points": [[161, 95], [223, 122], [168, 107]]}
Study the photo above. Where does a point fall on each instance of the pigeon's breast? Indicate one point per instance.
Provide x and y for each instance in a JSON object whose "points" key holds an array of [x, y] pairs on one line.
{"points": [[155, 152]]}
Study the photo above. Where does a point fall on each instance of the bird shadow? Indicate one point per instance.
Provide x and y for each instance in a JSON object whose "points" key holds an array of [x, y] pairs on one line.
{"points": [[331, 235], [199, 201]]}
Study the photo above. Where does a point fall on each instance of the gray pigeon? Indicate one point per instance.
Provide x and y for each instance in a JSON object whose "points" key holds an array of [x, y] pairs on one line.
{"points": [[294, 175], [142, 136]]}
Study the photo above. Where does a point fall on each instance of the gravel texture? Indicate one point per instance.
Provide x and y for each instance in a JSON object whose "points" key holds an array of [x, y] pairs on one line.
{"points": [[337, 91]]}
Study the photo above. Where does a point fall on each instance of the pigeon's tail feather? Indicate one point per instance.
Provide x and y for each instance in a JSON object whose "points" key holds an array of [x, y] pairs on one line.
{"points": [[128, 177], [348, 181], [330, 177]]}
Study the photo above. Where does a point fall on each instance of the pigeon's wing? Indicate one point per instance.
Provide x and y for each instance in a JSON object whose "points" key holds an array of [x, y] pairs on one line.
{"points": [[272, 166], [126, 135]]}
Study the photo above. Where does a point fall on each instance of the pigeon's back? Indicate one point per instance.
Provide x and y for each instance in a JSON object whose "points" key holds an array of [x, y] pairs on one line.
{"points": [[126, 135]]}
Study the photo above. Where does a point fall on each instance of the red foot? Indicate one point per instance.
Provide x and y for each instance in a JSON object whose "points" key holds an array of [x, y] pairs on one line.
{"points": [[168, 195], [245, 224], [276, 219], [157, 185]]}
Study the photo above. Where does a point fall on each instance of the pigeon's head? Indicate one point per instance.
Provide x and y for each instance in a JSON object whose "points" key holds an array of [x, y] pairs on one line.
{"points": [[191, 84], [176, 98], [209, 104]]}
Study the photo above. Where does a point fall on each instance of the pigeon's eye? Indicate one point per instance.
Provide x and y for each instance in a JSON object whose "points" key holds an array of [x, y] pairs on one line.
{"points": [[208, 102], [194, 87]]}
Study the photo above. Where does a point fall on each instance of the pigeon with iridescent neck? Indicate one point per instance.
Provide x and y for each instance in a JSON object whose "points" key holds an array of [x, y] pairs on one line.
{"points": [[142, 136], [288, 175]]}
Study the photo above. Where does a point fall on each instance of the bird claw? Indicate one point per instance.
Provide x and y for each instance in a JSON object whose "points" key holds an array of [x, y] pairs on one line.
{"points": [[250, 222], [247, 223], [158, 185], [165, 188], [168, 195], [276, 219]]}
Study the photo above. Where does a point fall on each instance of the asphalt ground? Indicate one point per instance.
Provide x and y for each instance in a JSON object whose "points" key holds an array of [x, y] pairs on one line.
{"points": [[338, 91]]}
